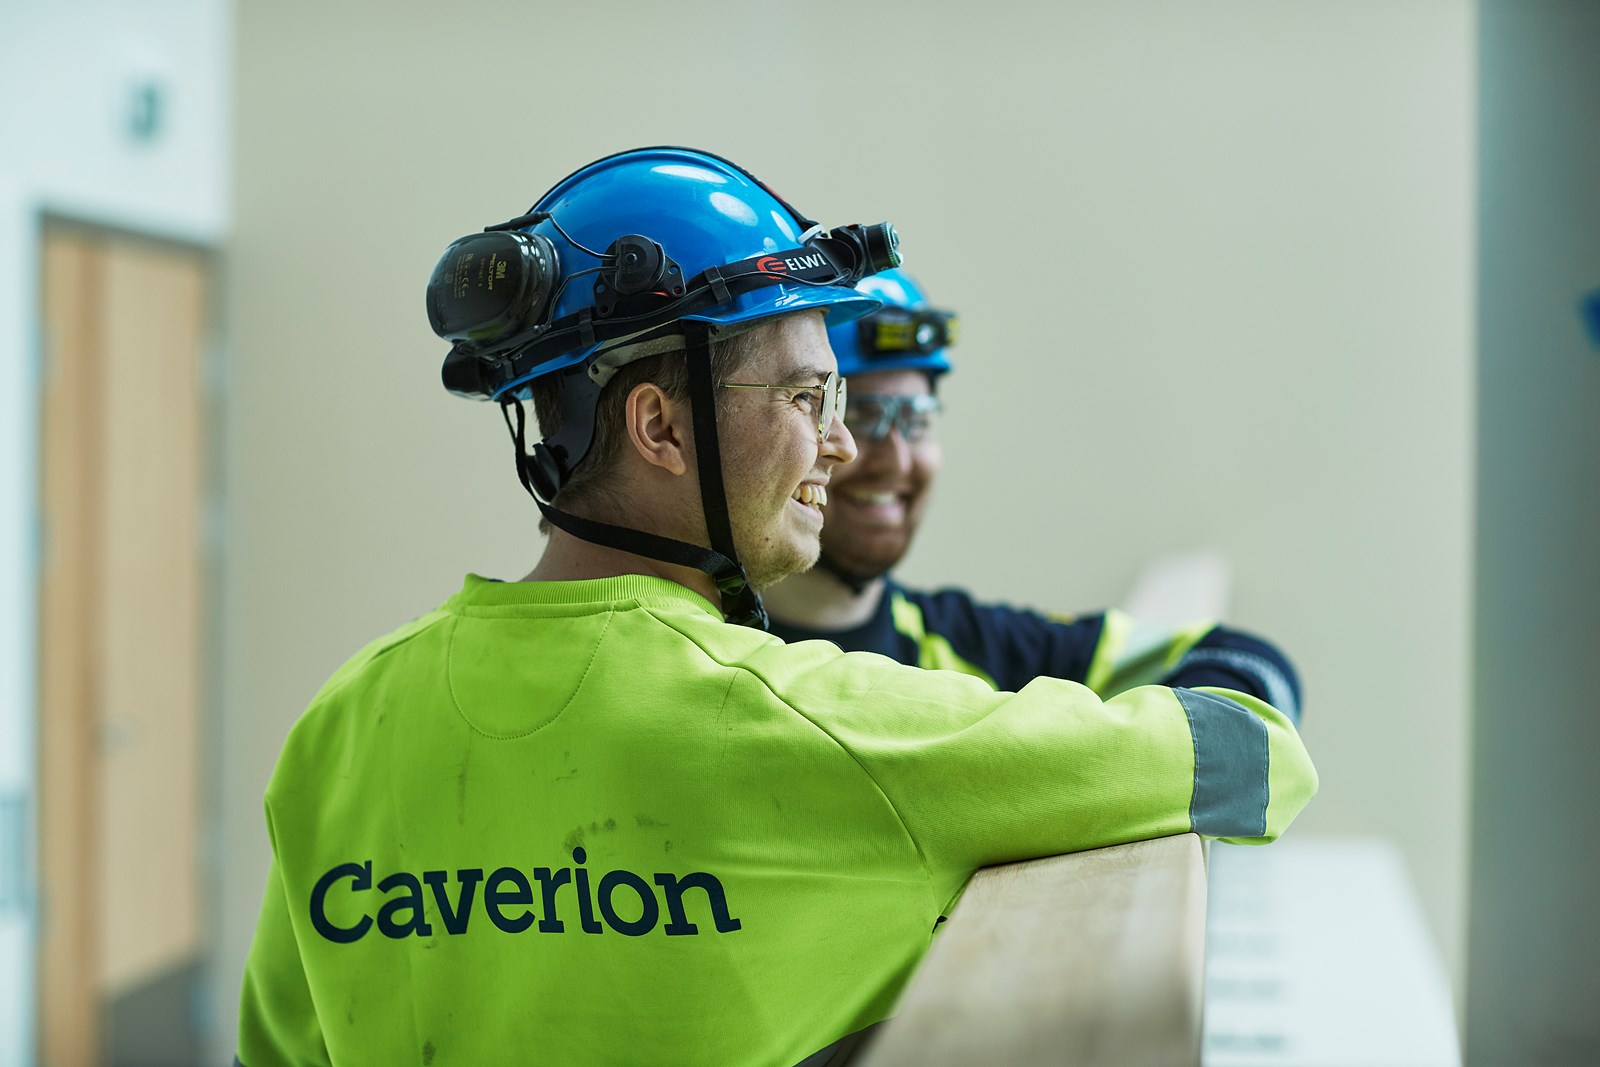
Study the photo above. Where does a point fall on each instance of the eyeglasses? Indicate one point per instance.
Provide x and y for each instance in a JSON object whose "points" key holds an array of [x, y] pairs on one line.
{"points": [[826, 399], [873, 415]]}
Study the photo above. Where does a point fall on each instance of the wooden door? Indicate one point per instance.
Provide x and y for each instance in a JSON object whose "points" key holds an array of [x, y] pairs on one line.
{"points": [[121, 603]]}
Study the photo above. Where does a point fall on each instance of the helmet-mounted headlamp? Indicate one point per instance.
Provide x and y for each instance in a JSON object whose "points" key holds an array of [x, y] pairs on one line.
{"points": [[894, 331]]}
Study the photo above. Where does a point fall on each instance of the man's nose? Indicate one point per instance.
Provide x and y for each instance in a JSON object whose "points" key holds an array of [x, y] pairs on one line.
{"points": [[839, 445], [891, 452]]}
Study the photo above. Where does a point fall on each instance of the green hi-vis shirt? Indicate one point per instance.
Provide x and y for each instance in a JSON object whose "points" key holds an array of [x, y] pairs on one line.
{"points": [[590, 822]]}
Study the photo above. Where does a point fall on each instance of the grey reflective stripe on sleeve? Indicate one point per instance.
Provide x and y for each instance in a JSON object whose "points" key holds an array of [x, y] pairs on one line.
{"points": [[1230, 766], [1280, 694]]}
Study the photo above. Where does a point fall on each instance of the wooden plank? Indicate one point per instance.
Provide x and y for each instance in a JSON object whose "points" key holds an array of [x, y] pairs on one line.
{"points": [[1094, 959]]}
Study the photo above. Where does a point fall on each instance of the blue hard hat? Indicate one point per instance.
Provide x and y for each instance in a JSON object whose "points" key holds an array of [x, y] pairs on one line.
{"points": [[905, 334], [703, 212]]}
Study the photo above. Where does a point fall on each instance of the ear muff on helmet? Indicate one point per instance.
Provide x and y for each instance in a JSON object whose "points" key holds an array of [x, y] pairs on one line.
{"points": [[488, 286]]}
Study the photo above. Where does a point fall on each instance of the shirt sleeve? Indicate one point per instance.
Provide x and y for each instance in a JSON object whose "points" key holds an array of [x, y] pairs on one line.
{"points": [[981, 777], [1234, 659], [1107, 651], [1010, 646], [278, 1025], [1202, 653]]}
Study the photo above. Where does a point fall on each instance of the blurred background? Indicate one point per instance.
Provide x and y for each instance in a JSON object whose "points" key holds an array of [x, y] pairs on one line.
{"points": [[1293, 282]]}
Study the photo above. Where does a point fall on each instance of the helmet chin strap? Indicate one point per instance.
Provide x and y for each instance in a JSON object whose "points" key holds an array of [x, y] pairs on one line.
{"points": [[741, 604]]}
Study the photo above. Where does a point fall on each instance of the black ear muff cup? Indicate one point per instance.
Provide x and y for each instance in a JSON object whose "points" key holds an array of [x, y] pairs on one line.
{"points": [[489, 286]]}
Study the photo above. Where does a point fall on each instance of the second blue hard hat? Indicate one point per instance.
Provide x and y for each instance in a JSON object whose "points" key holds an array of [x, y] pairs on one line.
{"points": [[905, 334]]}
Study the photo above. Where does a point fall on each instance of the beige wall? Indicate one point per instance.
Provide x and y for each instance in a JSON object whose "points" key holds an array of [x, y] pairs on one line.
{"points": [[1214, 265]]}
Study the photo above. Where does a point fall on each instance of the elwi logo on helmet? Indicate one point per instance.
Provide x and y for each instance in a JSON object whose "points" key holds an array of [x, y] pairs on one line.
{"points": [[774, 265]]}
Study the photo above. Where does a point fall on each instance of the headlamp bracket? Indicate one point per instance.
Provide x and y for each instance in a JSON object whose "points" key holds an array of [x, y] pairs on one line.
{"points": [[638, 275]]}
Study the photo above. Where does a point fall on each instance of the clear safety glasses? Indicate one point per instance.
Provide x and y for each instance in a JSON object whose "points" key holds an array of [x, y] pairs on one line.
{"points": [[873, 416], [826, 399]]}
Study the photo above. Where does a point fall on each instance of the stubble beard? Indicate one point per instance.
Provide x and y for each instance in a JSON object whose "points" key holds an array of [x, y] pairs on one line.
{"points": [[772, 562]]}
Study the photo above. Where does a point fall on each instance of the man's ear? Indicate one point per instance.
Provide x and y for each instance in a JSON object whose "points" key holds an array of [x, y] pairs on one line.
{"points": [[658, 427]]}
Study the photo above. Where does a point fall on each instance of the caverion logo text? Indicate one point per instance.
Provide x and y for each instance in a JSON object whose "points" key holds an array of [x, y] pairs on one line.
{"points": [[623, 900]]}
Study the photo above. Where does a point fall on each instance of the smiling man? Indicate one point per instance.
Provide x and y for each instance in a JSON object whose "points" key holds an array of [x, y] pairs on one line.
{"points": [[599, 815], [894, 359], [774, 492]]}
